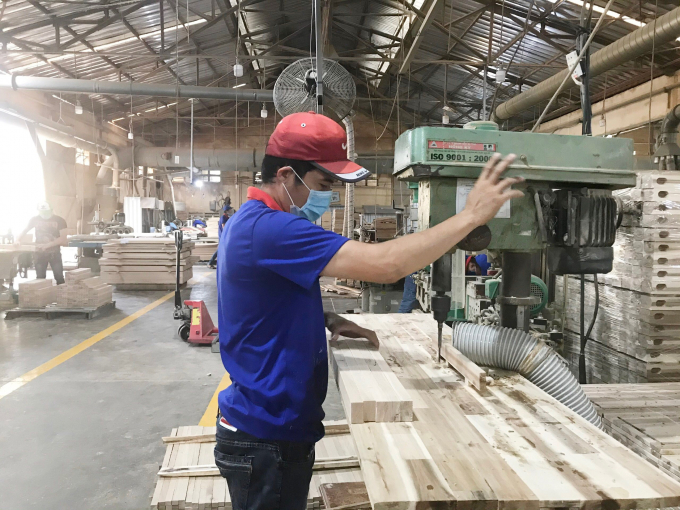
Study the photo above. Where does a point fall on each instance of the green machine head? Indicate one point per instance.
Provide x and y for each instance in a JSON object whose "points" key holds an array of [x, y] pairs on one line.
{"points": [[566, 208]]}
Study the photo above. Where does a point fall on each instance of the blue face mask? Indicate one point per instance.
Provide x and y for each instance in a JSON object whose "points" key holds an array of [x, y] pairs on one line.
{"points": [[317, 203]]}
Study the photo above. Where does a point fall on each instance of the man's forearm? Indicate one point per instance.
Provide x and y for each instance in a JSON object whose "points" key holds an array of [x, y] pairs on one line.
{"points": [[389, 261], [415, 251]]}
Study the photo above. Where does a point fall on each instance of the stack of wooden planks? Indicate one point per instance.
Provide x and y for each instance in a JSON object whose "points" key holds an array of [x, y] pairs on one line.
{"points": [[140, 261], [369, 389], [37, 293], [644, 417], [189, 479], [385, 228], [337, 219], [83, 290], [635, 338], [204, 248], [508, 446], [341, 290]]}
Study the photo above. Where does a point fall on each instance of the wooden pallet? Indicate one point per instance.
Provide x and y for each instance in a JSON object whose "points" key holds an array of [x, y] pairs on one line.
{"points": [[54, 312], [199, 488], [507, 447]]}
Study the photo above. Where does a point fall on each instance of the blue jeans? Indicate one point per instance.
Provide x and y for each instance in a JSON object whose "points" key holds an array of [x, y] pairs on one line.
{"points": [[264, 475], [408, 299], [213, 259]]}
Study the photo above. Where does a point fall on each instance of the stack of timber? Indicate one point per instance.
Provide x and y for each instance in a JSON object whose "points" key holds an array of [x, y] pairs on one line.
{"points": [[369, 389], [635, 337], [141, 262], [644, 417], [508, 446], [189, 478], [37, 293], [83, 290], [204, 248], [213, 226], [337, 219]]}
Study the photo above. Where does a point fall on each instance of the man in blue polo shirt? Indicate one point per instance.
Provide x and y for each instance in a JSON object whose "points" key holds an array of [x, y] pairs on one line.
{"points": [[271, 319]]}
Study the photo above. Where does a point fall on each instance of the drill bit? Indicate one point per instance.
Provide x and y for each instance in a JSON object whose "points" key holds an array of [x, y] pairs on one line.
{"points": [[439, 341]]}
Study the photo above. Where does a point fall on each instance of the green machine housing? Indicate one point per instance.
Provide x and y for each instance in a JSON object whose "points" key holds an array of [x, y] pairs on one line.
{"points": [[563, 208], [445, 160]]}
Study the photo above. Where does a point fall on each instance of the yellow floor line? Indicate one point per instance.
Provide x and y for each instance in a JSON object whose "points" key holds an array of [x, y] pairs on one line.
{"points": [[20, 381], [17, 383], [210, 414]]}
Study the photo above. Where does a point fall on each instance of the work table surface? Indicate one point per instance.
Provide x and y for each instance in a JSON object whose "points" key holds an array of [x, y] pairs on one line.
{"points": [[511, 446]]}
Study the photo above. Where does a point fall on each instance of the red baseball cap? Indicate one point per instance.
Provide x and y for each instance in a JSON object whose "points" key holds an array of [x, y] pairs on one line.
{"points": [[317, 139]]}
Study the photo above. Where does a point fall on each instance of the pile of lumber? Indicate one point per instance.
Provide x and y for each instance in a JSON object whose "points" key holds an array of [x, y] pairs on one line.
{"points": [[189, 478], [140, 261], [83, 290], [508, 446], [644, 417], [385, 228], [635, 338], [37, 293], [213, 226], [204, 248], [341, 290], [370, 391], [337, 219]]}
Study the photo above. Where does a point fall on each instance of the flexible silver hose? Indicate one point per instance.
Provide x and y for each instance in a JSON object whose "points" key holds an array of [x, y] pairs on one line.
{"points": [[513, 349]]}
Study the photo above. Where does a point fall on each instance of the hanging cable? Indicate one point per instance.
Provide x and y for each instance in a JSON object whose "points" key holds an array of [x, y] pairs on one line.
{"points": [[573, 66]]}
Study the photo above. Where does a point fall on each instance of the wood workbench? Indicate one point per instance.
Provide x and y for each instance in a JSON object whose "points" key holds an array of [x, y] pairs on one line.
{"points": [[510, 446]]}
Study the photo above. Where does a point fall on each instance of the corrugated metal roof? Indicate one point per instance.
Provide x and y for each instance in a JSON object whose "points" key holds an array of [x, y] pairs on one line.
{"points": [[361, 32]]}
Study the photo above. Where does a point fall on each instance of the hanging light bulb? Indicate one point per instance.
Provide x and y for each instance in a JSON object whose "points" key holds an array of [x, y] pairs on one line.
{"points": [[445, 118], [263, 112], [238, 69], [199, 183], [79, 108], [130, 135]]}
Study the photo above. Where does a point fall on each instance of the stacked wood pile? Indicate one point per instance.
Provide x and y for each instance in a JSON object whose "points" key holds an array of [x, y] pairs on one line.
{"points": [[82, 290], [142, 261], [337, 219], [37, 293], [636, 337], [384, 228], [213, 228], [370, 391], [204, 248], [645, 418], [190, 479]]}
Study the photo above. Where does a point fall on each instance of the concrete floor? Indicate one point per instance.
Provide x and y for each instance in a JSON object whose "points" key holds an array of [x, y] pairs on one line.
{"points": [[87, 433]]}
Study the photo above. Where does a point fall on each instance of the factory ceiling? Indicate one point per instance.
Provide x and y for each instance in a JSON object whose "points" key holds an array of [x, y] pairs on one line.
{"points": [[409, 59]]}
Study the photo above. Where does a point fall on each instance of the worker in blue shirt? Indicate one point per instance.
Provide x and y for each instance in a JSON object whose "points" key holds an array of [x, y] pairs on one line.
{"points": [[271, 319]]}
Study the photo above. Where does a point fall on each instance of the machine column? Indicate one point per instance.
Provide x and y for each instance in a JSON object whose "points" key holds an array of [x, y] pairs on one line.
{"points": [[515, 292]]}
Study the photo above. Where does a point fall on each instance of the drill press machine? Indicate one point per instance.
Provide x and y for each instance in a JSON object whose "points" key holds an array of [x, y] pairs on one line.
{"points": [[567, 208]]}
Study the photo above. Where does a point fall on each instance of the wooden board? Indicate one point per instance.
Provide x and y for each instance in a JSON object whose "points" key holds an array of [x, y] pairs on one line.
{"points": [[511, 446], [369, 390], [211, 492]]}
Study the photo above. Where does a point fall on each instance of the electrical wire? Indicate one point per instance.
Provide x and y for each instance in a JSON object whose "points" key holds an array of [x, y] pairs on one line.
{"points": [[582, 372], [573, 66]]}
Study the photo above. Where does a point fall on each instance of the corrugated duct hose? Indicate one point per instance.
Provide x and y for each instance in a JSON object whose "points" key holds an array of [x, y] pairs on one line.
{"points": [[513, 349]]}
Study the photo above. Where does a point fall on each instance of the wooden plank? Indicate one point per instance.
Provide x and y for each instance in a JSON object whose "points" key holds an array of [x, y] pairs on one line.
{"points": [[461, 364], [370, 391]]}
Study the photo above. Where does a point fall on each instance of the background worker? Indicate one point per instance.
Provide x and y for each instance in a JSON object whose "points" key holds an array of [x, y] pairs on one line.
{"points": [[227, 211], [271, 319], [50, 236]]}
